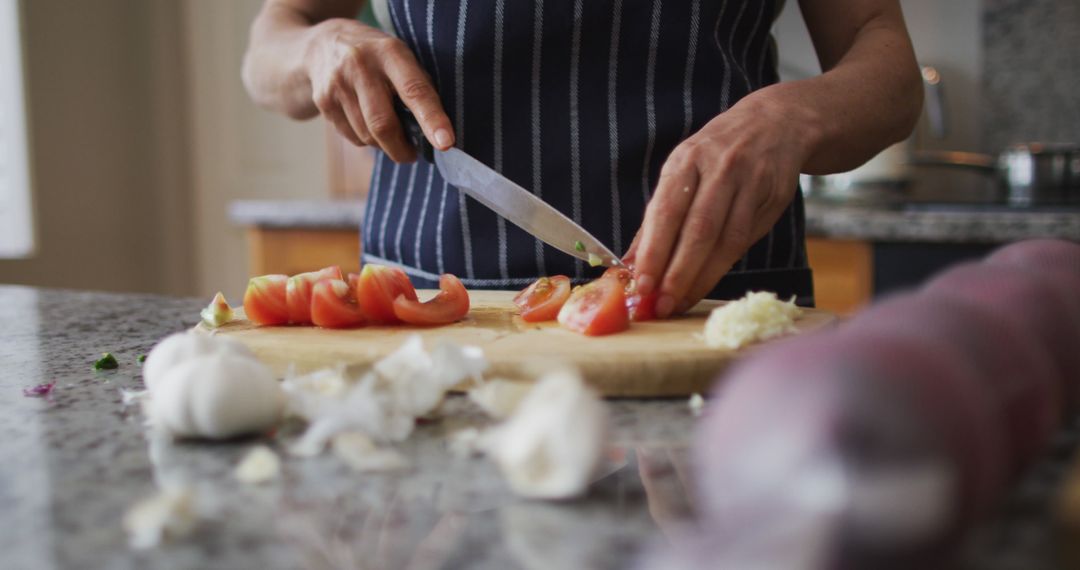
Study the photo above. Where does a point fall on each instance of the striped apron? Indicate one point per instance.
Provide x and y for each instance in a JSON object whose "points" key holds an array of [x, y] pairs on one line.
{"points": [[580, 102]]}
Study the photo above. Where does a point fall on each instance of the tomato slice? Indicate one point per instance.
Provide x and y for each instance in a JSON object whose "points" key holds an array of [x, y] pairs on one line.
{"points": [[641, 307], [542, 300], [377, 287], [450, 305], [333, 305], [298, 292], [597, 308], [265, 300]]}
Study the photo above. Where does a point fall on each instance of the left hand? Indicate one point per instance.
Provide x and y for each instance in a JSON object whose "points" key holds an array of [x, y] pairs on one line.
{"points": [[719, 192]]}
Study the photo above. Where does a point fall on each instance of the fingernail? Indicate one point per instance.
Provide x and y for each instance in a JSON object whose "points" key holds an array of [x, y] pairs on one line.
{"points": [[664, 305], [645, 284], [443, 139]]}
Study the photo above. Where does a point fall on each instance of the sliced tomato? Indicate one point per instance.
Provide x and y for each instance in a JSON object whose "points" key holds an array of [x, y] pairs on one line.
{"points": [[542, 300], [597, 308], [333, 305], [641, 307], [264, 300], [377, 287], [622, 274], [298, 292], [450, 305]]}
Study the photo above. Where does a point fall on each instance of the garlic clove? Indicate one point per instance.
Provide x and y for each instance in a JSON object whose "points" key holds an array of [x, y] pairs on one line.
{"points": [[553, 443], [168, 515], [260, 465]]}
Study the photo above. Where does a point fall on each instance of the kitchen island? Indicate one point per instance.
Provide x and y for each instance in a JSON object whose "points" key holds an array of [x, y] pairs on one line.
{"points": [[73, 462]]}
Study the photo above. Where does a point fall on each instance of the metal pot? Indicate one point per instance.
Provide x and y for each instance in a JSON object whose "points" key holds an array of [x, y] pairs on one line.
{"points": [[1031, 174]]}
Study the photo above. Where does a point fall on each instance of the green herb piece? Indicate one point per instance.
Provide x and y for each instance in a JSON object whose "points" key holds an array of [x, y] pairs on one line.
{"points": [[595, 260], [141, 358], [106, 362], [579, 246]]}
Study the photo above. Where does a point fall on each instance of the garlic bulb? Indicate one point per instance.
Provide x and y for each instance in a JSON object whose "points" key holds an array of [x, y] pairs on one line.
{"points": [[216, 396], [552, 445], [182, 347]]}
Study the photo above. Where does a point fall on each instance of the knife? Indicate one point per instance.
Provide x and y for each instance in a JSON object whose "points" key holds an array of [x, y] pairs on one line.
{"points": [[509, 200]]}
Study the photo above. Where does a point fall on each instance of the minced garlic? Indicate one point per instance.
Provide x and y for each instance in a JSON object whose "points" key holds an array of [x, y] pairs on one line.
{"points": [[755, 317]]}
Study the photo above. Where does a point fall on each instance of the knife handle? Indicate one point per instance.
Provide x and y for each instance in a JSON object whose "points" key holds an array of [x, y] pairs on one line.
{"points": [[413, 132]]}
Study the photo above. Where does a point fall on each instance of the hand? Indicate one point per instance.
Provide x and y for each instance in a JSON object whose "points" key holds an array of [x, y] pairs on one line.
{"points": [[720, 191], [355, 71]]}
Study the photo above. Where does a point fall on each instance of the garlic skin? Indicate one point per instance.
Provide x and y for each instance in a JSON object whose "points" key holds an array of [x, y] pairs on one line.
{"points": [[499, 398], [359, 452], [553, 443], [181, 347], [384, 403], [216, 396]]}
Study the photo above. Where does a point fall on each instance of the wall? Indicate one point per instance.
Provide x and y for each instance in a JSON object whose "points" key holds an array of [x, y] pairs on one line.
{"points": [[104, 84], [238, 150], [1032, 82], [946, 34]]}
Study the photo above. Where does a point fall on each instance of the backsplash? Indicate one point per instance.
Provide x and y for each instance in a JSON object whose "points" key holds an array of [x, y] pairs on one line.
{"points": [[1031, 72]]}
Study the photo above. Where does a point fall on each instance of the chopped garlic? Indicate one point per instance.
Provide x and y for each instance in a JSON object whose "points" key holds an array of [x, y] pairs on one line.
{"points": [[696, 405], [359, 452], [552, 444], [755, 317], [499, 398], [260, 465], [168, 515]]}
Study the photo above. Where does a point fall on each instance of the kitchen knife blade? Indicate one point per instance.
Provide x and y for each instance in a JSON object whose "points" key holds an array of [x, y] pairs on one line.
{"points": [[507, 199], [522, 208]]}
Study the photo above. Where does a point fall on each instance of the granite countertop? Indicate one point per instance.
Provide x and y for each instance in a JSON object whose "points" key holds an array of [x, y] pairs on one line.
{"points": [[914, 223], [73, 463]]}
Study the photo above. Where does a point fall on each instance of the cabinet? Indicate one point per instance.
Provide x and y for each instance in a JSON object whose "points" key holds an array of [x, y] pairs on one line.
{"points": [[843, 273]]}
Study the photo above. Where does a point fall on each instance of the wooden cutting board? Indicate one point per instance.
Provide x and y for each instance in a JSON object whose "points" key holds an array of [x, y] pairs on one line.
{"points": [[656, 358]]}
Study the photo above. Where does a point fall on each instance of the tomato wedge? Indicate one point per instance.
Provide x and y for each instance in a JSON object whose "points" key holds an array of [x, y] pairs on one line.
{"points": [[377, 287], [265, 300], [641, 307], [597, 308], [450, 305], [542, 300], [333, 305], [298, 292]]}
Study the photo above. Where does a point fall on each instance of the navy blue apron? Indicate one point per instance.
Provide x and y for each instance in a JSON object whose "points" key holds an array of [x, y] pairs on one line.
{"points": [[580, 102]]}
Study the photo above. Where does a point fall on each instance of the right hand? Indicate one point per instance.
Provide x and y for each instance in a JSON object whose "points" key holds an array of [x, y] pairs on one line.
{"points": [[355, 71]]}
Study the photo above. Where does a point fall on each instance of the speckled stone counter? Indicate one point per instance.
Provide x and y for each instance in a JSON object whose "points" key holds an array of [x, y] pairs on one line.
{"points": [[308, 214], [912, 224], [940, 224], [73, 463]]}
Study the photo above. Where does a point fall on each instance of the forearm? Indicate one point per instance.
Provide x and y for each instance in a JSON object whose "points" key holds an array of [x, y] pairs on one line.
{"points": [[868, 99], [274, 70]]}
